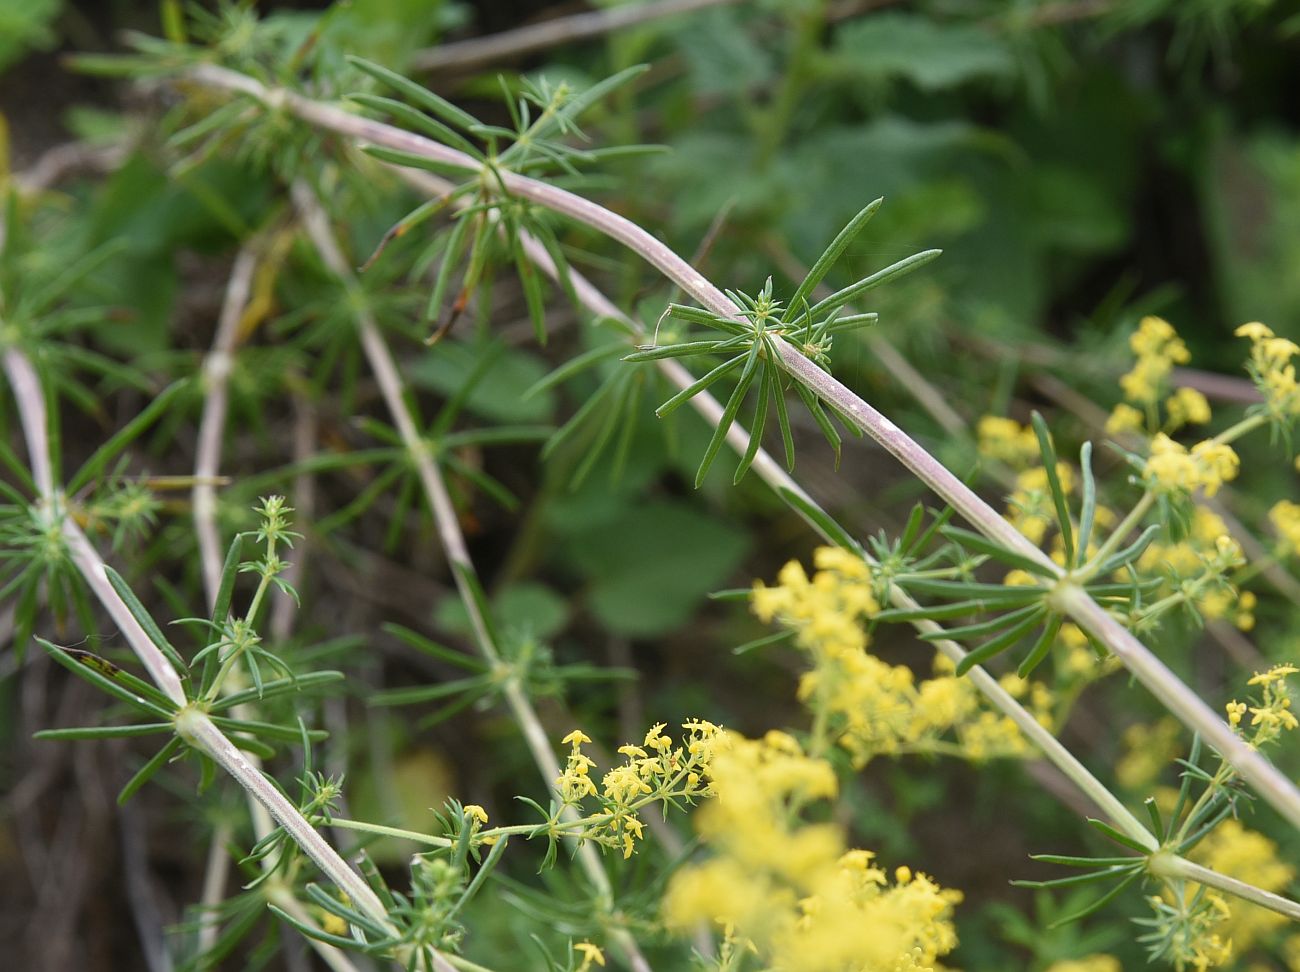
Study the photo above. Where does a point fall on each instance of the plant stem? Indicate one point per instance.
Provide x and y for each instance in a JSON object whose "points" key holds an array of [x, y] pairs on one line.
{"points": [[192, 725], [1275, 788], [1171, 865], [316, 223], [1112, 542], [783, 484]]}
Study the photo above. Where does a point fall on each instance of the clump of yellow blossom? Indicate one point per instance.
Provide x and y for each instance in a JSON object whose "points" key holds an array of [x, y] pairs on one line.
{"points": [[591, 955], [1158, 348], [1285, 517], [658, 770], [791, 892], [1251, 857], [1190, 928], [865, 705], [1006, 440], [1172, 468], [1124, 418], [1273, 714], [1148, 750], [1089, 963], [1187, 406], [1272, 370]]}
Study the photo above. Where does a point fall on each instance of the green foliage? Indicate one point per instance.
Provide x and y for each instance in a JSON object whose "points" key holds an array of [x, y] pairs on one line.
{"points": [[1082, 165]]}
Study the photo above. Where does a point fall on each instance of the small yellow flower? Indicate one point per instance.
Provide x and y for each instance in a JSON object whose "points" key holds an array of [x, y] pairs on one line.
{"points": [[590, 954], [473, 811], [656, 740], [1274, 674], [1235, 711], [577, 737]]}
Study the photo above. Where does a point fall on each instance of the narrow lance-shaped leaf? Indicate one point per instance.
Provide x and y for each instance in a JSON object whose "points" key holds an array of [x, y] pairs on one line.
{"points": [[774, 376], [1100, 902], [829, 258], [982, 544], [756, 428], [100, 672], [1041, 647], [417, 121], [579, 418], [1048, 450], [1088, 510], [993, 648], [146, 772], [1130, 553], [981, 628], [819, 416], [416, 93], [728, 414], [842, 297], [820, 520], [686, 394]]}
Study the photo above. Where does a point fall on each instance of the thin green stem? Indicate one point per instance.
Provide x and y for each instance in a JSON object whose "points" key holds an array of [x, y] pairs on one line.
{"points": [[316, 223], [1117, 536]]}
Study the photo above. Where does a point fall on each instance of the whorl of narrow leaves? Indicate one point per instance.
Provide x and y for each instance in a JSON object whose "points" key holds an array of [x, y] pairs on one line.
{"points": [[749, 350]]}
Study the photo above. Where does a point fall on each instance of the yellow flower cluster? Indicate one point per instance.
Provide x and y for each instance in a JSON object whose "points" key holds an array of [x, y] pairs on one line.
{"points": [[791, 892], [1273, 715], [657, 770], [1272, 370], [1006, 440], [1170, 467], [1198, 567], [1251, 857], [1285, 517], [863, 704], [1158, 348], [1195, 939]]}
